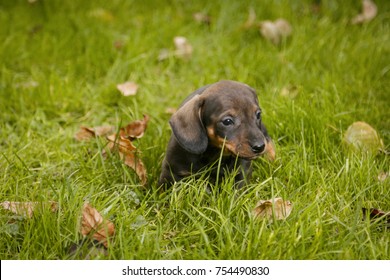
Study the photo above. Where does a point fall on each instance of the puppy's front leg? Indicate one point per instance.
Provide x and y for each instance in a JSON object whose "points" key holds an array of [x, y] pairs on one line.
{"points": [[244, 173]]}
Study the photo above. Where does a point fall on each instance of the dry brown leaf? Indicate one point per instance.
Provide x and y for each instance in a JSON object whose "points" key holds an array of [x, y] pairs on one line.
{"points": [[276, 207], [284, 28], [135, 129], [27, 84], [128, 88], [276, 31], [86, 133], [290, 91], [27, 208], [251, 21], [164, 54], [383, 176], [183, 48], [119, 44], [121, 143], [128, 153], [376, 214], [270, 32], [93, 223], [360, 136], [202, 18], [369, 11]]}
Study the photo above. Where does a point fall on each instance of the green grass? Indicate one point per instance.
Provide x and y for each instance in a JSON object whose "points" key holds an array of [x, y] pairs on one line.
{"points": [[59, 68]]}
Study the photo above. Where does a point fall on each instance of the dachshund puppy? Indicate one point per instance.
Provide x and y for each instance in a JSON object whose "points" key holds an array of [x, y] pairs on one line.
{"points": [[221, 121]]}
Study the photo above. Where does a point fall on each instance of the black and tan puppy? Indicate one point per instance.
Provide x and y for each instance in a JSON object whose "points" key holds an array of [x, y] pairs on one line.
{"points": [[225, 115]]}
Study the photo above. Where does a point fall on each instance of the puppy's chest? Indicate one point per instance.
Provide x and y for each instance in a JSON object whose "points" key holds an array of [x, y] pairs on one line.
{"points": [[213, 158]]}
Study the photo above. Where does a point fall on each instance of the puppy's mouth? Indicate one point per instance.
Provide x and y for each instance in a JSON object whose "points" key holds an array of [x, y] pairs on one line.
{"points": [[241, 151], [247, 153]]}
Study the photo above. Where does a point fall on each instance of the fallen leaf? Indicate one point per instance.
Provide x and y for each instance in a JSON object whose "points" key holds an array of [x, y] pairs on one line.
{"points": [[129, 154], [164, 54], [376, 214], [251, 21], [93, 223], [183, 48], [27, 84], [360, 136], [290, 91], [86, 133], [118, 44], [27, 208], [121, 143], [135, 129], [383, 176], [284, 28], [169, 234], [269, 32], [276, 31], [276, 207], [202, 18], [369, 12], [128, 88]]}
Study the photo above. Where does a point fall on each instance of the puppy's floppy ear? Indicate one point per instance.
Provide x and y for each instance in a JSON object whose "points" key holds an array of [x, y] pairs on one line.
{"points": [[188, 128]]}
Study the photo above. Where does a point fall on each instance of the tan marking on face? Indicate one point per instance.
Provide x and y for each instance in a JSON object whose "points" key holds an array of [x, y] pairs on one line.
{"points": [[219, 142], [230, 148]]}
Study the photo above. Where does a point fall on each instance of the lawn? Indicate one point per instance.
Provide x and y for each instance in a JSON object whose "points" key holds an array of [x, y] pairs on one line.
{"points": [[60, 63]]}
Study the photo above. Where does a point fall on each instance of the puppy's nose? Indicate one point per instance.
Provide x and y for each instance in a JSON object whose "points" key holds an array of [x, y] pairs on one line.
{"points": [[258, 148]]}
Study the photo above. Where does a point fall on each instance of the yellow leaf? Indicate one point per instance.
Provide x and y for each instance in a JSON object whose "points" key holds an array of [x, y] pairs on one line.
{"points": [[360, 136], [271, 208]]}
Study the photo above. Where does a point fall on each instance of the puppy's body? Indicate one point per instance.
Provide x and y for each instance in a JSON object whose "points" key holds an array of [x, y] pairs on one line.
{"points": [[225, 115]]}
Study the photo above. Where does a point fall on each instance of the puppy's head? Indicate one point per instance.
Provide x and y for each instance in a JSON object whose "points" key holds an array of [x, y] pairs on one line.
{"points": [[224, 115]]}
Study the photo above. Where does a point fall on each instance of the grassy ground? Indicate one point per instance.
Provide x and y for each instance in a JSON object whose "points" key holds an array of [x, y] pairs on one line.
{"points": [[61, 61]]}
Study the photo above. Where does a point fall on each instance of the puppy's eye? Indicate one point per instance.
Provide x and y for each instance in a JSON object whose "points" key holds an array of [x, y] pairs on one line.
{"points": [[227, 121], [258, 115]]}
